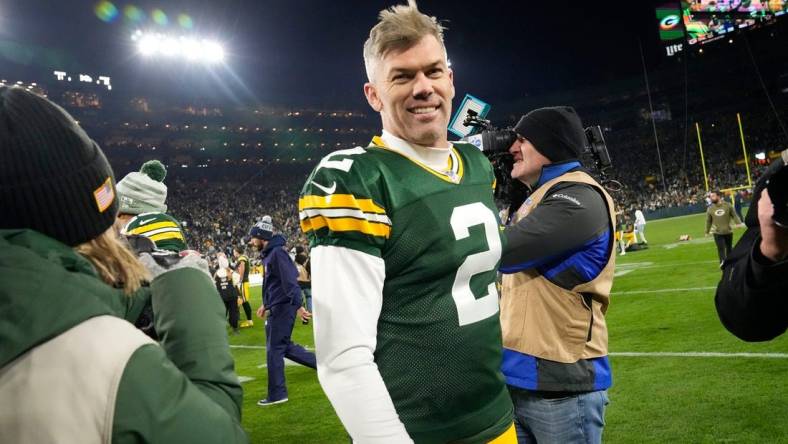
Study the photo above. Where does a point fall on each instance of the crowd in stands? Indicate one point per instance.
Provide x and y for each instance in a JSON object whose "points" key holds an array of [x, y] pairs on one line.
{"points": [[217, 210]]}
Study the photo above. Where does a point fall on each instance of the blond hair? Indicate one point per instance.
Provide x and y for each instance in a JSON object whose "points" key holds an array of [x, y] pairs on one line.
{"points": [[114, 262], [398, 28]]}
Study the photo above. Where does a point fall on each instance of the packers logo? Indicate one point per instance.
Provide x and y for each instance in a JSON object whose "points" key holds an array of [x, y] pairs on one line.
{"points": [[719, 212], [669, 22]]}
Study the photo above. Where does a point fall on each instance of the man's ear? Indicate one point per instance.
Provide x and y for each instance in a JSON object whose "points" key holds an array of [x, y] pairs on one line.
{"points": [[451, 79], [371, 93]]}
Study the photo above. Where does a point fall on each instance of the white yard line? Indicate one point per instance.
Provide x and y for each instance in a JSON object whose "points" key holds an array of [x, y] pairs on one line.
{"points": [[639, 265], [699, 355], [663, 290]]}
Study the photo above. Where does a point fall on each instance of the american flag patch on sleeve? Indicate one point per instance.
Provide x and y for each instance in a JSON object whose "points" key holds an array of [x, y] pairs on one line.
{"points": [[104, 195]]}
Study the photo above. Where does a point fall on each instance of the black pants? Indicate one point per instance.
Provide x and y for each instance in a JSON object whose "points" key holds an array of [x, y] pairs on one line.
{"points": [[724, 243], [231, 305]]}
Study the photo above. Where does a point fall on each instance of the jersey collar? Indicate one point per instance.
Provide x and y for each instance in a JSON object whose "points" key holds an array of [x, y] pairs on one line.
{"points": [[453, 170]]}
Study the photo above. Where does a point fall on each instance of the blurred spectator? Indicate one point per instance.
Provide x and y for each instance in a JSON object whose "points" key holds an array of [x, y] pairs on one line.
{"points": [[58, 247]]}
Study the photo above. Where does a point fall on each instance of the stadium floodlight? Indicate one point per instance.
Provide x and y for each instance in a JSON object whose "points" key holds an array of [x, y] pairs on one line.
{"points": [[170, 47], [202, 50], [213, 52], [148, 45]]}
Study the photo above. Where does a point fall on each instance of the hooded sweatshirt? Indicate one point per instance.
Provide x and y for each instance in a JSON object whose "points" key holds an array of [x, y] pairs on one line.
{"points": [[281, 276], [72, 370]]}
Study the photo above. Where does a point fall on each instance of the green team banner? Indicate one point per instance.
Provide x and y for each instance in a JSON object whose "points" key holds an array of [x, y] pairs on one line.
{"points": [[670, 22]]}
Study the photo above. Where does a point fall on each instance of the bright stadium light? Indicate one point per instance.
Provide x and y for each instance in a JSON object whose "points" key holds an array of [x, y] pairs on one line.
{"points": [[191, 49], [213, 52], [170, 47], [206, 51], [148, 45]]}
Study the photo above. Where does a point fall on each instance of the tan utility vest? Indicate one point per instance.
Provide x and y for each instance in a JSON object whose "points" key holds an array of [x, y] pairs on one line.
{"points": [[541, 319]]}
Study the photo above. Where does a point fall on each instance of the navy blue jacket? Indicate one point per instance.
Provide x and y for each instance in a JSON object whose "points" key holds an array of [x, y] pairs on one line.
{"points": [[280, 281]]}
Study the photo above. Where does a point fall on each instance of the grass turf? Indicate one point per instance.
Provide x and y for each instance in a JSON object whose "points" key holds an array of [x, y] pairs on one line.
{"points": [[653, 398]]}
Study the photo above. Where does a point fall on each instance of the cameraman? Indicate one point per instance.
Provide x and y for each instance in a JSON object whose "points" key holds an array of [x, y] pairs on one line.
{"points": [[558, 266], [751, 297]]}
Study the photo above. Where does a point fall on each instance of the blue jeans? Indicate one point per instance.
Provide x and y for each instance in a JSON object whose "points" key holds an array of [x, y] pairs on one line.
{"points": [[307, 299], [574, 419]]}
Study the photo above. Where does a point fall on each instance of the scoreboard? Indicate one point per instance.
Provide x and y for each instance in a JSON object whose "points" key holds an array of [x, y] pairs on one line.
{"points": [[704, 21]]}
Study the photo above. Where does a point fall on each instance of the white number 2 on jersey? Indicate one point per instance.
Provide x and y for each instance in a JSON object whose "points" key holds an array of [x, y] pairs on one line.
{"points": [[469, 308]]}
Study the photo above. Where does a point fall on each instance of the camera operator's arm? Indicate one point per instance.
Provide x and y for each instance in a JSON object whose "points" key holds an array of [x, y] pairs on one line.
{"points": [[750, 297], [774, 239], [185, 390], [570, 216]]}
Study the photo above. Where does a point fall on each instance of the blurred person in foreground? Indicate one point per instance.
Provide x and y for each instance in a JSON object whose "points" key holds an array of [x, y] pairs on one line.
{"points": [[752, 295], [281, 303], [720, 222], [558, 269], [71, 370], [404, 246]]}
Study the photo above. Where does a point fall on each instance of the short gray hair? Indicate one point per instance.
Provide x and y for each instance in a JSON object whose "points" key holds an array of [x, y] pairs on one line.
{"points": [[399, 28]]}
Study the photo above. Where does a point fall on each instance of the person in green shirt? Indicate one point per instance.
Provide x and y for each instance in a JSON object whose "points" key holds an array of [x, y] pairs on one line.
{"points": [[72, 369], [720, 221]]}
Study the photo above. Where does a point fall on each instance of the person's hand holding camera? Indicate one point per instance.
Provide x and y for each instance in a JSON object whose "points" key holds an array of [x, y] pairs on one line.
{"points": [[774, 239]]}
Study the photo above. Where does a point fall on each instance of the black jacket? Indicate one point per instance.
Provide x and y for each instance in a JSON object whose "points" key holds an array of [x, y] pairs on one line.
{"points": [[752, 297]]}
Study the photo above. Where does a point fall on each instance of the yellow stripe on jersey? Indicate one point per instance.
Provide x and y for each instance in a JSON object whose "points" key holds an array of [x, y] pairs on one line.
{"points": [[508, 437], [145, 228], [164, 236], [339, 201], [346, 224]]}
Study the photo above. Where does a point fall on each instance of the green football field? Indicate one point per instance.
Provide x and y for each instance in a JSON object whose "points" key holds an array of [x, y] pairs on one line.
{"points": [[678, 375]]}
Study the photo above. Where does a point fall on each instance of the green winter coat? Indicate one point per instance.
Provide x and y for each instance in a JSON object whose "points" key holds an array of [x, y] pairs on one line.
{"points": [[71, 370]]}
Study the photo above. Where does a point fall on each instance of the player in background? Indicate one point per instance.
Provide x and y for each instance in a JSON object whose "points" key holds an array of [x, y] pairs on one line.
{"points": [[223, 278], [640, 226], [720, 222], [405, 248], [242, 268]]}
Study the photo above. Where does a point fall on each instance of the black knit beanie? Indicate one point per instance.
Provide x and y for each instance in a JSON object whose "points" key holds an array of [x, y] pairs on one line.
{"points": [[556, 132], [53, 177]]}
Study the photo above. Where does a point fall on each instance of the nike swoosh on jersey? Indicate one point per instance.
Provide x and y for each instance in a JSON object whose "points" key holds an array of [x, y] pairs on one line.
{"points": [[327, 190], [143, 222]]}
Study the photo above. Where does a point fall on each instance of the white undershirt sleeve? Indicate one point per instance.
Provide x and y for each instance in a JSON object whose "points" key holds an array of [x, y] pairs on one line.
{"points": [[347, 295]]}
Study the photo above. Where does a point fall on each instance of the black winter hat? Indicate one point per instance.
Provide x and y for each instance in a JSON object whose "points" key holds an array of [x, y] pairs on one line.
{"points": [[556, 132], [53, 177]]}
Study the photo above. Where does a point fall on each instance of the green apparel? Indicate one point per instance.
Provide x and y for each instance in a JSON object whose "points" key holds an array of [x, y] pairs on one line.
{"points": [[164, 230], [719, 217], [183, 390], [438, 344]]}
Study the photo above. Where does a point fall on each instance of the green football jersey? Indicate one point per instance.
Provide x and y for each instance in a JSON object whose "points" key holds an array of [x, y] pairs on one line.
{"points": [[161, 228], [439, 338]]}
